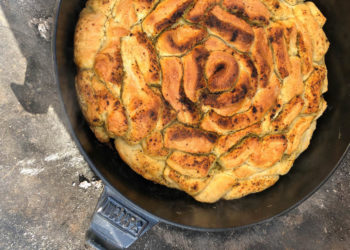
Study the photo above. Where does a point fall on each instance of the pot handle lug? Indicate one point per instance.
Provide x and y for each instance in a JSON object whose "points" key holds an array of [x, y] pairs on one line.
{"points": [[117, 223]]}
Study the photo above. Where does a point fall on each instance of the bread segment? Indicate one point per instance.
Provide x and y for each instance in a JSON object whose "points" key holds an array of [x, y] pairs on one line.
{"points": [[187, 139], [180, 39], [165, 14], [232, 29], [254, 10]]}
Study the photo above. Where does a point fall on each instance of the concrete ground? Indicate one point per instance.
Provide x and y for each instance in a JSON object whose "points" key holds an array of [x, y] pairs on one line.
{"points": [[48, 193]]}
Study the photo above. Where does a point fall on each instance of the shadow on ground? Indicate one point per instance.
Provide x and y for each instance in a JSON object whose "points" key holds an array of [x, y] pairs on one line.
{"points": [[32, 30]]}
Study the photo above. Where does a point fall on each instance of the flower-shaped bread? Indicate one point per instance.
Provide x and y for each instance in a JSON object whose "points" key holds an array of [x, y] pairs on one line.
{"points": [[215, 98]]}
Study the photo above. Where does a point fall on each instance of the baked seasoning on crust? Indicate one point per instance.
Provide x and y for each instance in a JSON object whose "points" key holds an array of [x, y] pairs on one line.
{"points": [[215, 98]]}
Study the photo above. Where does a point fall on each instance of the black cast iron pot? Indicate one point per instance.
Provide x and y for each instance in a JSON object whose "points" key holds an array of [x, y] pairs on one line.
{"points": [[130, 205]]}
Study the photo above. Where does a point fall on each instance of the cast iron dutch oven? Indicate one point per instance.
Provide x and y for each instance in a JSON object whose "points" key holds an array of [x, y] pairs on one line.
{"points": [[130, 205]]}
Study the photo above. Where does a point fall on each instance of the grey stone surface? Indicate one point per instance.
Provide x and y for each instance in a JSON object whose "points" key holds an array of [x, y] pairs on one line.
{"points": [[44, 204]]}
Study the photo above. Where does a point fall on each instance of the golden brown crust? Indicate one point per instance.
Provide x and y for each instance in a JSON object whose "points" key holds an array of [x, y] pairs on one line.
{"points": [[219, 185], [222, 71], [188, 184], [232, 29], [316, 13], [179, 40], [154, 145], [194, 80], [196, 14], [108, 62], [124, 13], [141, 103], [254, 10], [258, 153], [188, 139], [305, 52], [191, 165], [215, 98], [102, 6], [290, 111], [261, 103], [88, 37], [215, 44], [172, 92], [239, 154], [140, 48], [313, 89], [228, 141], [167, 116], [262, 56], [295, 133], [280, 52], [293, 85], [100, 108], [142, 7], [319, 40], [228, 103], [269, 151], [165, 14], [278, 9], [252, 185], [141, 163]]}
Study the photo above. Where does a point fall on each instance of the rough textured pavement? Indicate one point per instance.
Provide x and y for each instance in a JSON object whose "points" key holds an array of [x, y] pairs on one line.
{"points": [[47, 192]]}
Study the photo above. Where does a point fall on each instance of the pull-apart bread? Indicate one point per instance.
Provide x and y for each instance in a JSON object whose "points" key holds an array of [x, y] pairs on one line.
{"points": [[215, 98]]}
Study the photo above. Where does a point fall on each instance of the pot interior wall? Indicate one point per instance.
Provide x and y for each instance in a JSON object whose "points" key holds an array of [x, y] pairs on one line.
{"points": [[329, 142]]}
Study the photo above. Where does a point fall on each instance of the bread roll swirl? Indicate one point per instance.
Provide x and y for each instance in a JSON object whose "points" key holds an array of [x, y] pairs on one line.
{"points": [[215, 98]]}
